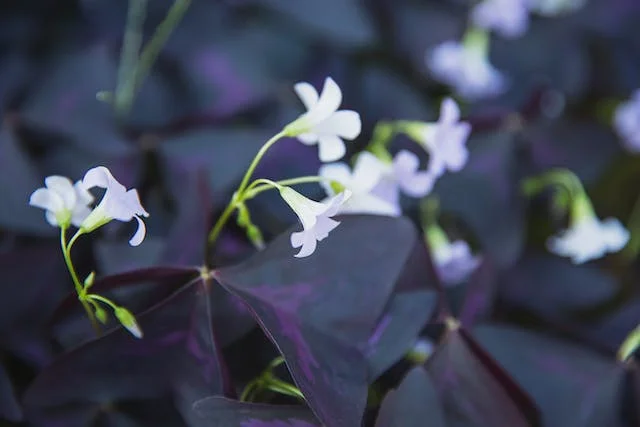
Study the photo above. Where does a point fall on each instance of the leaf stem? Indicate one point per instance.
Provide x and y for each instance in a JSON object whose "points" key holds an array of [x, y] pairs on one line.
{"points": [[123, 98]]}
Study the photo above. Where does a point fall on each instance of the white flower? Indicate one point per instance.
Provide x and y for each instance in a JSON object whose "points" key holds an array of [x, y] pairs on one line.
{"points": [[454, 262], [588, 238], [322, 124], [445, 140], [403, 174], [315, 218], [64, 202], [510, 18], [467, 69], [366, 174], [117, 203], [556, 7], [626, 122]]}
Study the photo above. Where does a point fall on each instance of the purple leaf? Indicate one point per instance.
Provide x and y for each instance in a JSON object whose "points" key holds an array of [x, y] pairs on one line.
{"points": [[474, 388], [321, 310], [178, 354], [219, 411], [570, 384], [412, 403], [9, 407]]}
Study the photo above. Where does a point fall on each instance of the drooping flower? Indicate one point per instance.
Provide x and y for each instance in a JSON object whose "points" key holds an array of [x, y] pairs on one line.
{"points": [[510, 18], [128, 320], [315, 218], [453, 261], [361, 181], [323, 124], [444, 140], [466, 67], [626, 122], [556, 7], [403, 174], [64, 202], [587, 237], [117, 203]]}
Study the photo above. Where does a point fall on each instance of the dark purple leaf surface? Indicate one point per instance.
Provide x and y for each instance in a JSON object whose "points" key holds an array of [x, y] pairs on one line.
{"points": [[414, 403], [178, 356], [10, 409], [320, 310], [214, 411]]}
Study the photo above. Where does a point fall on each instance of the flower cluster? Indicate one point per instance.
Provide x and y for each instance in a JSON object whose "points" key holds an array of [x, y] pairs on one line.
{"points": [[65, 203], [465, 66]]}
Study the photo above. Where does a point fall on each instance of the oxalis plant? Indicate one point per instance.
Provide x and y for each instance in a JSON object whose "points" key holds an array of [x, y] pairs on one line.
{"points": [[343, 295]]}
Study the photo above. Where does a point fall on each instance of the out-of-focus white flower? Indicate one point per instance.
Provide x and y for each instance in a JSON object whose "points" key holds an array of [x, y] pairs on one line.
{"points": [[587, 237], [510, 18], [366, 174], [117, 203], [323, 124], [626, 122], [64, 202], [466, 67], [453, 261], [555, 7], [403, 174], [315, 218], [446, 140]]}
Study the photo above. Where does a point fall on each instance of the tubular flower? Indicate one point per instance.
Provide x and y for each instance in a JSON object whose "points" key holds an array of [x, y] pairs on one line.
{"points": [[117, 203], [626, 122], [510, 18], [315, 218]]}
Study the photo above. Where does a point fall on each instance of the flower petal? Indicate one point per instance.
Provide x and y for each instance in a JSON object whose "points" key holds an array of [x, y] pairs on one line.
{"points": [[339, 172], [307, 93], [449, 111], [138, 237], [51, 218], [79, 214], [308, 138], [418, 185], [46, 199], [328, 103], [344, 123], [323, 227], [99, 176], [307, 240], [367, 171], [614, 234], [63, 187], [330, 148], [306, 209], [83, 195]]}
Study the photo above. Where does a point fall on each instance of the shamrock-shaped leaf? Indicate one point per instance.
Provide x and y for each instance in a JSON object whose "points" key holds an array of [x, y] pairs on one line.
{"points": [[474, 388], [321, 310], [179, 355]]}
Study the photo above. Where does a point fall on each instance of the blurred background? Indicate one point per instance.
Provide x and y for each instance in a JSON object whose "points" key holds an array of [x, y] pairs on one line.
{"points": [[223, 84]]}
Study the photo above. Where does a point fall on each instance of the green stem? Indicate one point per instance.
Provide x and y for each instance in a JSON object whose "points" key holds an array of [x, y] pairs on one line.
{"points": [[629, 345], [248, 391], [102, 300], [131, 44], [282, 387], [160, 36], [252, 191], [239, 194], [66, 252]]}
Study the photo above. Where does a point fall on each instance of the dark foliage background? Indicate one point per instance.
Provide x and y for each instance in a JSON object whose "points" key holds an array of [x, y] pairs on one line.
{"points": [[537, 336]]}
